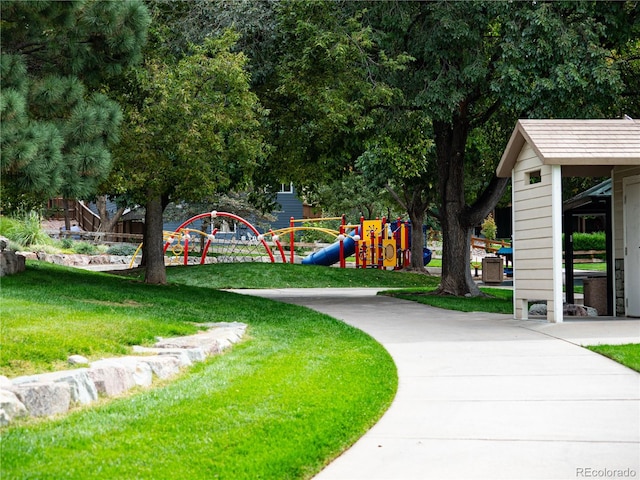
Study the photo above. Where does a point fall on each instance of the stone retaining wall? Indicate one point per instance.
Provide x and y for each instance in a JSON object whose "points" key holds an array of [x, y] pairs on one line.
{"points": [[55, 393]]}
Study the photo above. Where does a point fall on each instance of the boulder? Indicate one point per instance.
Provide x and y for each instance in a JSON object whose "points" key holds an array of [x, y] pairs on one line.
{"points": [[99, 260], [187, 356], [10, 407], [140, 371], [591, 312], [6, 384], [163, 366], [11, 263], [568, 309], [82, 387], [572, 310], [78, 360], [538, 309], [212, 341], [111, 378], [45, 398]]}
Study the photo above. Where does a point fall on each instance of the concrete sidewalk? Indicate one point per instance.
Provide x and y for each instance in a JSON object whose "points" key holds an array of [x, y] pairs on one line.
{"points": [[483, 396]]}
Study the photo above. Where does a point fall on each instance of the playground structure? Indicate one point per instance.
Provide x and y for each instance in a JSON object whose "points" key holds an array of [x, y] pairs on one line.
{"points": [[375, 243]]}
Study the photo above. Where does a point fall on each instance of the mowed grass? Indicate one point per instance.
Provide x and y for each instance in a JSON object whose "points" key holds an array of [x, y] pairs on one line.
{"points": [[279, 275], [628, 354], [495, 300], [293, 395]]}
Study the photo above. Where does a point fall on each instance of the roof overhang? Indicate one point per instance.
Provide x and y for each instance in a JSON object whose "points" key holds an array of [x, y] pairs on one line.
{"points": [[575, 144]]}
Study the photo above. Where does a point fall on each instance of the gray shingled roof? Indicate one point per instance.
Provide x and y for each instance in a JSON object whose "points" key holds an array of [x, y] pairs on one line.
{"points": [[575, 142]]}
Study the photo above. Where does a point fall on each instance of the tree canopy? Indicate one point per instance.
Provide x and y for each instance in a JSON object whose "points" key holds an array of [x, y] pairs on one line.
{"points": [[191, 130], [57, 127], [466, 70]]}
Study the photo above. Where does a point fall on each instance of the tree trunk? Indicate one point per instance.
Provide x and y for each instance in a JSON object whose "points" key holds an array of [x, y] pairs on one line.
{"points": [[416, 215], [458, 219], [107, 223], [456, 232], [67, 215], [155, 271]]}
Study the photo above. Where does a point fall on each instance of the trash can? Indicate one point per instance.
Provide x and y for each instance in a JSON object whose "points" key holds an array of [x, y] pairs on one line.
{"points": [[492, 272], [595, 293]]}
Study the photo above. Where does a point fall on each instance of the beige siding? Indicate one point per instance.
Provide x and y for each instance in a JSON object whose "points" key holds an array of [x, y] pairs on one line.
{"points": [[585, 148], [618, 228], [532, 230]]}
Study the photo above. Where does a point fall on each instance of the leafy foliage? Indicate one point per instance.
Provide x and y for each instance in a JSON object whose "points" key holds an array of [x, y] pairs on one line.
{"points": [[57, 129], [26, 230], [122, 249], [589, 241]]}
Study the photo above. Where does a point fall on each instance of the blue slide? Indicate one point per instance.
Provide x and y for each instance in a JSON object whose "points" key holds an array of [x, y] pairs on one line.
{"points": [[331, 254]]}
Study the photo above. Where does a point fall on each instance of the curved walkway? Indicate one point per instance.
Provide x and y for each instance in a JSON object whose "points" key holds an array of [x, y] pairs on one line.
{"points": [[483, 396]]}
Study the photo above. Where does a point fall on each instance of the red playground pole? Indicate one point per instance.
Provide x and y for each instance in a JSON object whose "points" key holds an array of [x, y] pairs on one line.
{"points": [[206, 246], [279, 245], [186, 248], [407, 258], [291, 239], [343, 263]]}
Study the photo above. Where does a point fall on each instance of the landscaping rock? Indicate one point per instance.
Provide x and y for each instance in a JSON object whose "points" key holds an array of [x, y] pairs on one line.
{"points": [[572, 310], [10, 407], [78, 360], [219, 337], [187, 356], [52, 393], [568, 309], [538, 309], [163, 366], [591, 312], [82, 387], [6, 384], [140, 371], [45, 398], [111, 378], [11, 263], [29, 255]]}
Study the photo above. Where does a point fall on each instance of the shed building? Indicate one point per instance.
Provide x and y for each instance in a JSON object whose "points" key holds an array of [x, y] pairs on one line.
{"points": [[538, 155]]}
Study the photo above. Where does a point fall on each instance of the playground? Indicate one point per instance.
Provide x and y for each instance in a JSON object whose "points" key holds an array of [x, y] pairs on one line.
{"points": [[223, 237]]}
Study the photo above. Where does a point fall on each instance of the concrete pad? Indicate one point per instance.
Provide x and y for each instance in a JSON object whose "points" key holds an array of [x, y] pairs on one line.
{"points": [[592, 332], [484, 396], [516, 388], [374, 458]]}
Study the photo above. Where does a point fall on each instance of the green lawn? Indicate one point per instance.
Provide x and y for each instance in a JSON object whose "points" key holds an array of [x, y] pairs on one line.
{"points": [[293, 395], [286, 275], [628, 355], [496, 300]]}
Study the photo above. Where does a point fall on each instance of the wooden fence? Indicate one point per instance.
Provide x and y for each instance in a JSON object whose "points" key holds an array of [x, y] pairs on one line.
{"points": [[487, 245]]}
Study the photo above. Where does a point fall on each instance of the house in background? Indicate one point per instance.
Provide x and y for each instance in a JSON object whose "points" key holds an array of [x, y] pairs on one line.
{"points": [[132, 222], [290, 206], [538, 155]]}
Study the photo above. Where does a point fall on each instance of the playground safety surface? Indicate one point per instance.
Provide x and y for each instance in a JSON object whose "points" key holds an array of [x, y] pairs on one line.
{"points": [[484, 396]]}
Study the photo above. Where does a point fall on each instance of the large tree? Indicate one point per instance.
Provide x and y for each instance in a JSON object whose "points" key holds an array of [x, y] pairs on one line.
{"points": [[469, 69], [191, 130], [57, 128]]}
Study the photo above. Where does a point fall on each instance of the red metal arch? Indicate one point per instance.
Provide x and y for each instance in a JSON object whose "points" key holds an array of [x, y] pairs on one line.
{"points": [[215, 214]]}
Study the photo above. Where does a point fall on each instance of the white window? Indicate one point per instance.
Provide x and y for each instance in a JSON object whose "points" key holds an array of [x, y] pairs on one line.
{"points": [[286, 188]]}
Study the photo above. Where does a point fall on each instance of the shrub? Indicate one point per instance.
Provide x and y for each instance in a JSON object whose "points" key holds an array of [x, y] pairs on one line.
{"points": [[7, 225], [85, 248], [489, 228], [122, 249], [28, 231], [589, 241]]}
